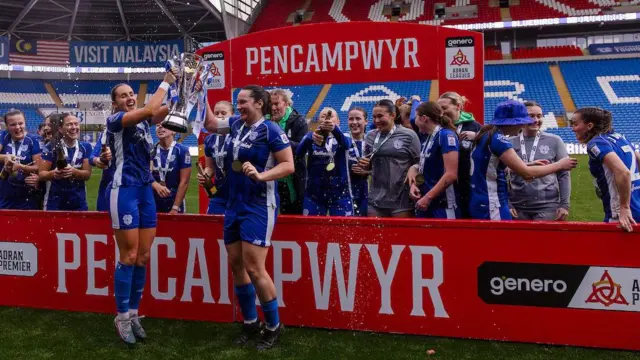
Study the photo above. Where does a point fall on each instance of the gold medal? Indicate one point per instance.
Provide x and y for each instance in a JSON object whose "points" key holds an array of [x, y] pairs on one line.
{"points": [[236, 166], [419, 179], [331, 166]]}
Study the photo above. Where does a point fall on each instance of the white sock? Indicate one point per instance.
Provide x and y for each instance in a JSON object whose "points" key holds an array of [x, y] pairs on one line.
{"points": [[251, 321], [274, 328], [133, 312], [123, 316]]}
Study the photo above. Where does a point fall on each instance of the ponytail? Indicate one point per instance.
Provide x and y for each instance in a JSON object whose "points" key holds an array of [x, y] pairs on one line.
{"points": [[489, 130], [433, 111]]}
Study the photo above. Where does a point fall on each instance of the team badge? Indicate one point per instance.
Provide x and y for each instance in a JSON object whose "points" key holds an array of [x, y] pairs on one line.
{"points": [[397, 144], [466, 144], [305, 212], [127, 219], [544, 149], [595, 150], [253, 136], [24, 148], [451, 140], [284, 138]]}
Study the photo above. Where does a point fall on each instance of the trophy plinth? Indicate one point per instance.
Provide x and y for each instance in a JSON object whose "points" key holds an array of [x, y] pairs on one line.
{"points": [[175, 121]]}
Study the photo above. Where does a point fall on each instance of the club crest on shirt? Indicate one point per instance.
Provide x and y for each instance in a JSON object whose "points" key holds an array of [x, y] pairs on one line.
{"points": [[24, 147], [397, 144], [544, 149], [466, 144], [253, 136], [127, 219]]}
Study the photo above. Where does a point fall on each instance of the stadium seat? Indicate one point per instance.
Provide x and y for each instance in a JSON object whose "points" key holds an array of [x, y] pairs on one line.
{"points": [[20, 93]]}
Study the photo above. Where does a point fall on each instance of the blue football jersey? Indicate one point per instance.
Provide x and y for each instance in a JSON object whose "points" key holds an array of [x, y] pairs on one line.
{"points": [[359, 183], [598, 148], [179, 159], [15, 186], [432, 165], [73, 159], [215, 148], [255, 144], [489, 189], [107, 174], [131, 150], [323, 185]]}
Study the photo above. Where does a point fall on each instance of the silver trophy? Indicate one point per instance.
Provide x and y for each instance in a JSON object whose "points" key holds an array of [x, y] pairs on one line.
{"points": [[183, 94]]}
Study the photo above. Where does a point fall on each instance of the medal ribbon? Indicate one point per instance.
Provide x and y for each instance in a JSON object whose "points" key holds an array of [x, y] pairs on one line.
{"points": [[237, 141], [375, 142], [427, 146], [163, 170], [218, 154], [75, 153], [523, 150]]}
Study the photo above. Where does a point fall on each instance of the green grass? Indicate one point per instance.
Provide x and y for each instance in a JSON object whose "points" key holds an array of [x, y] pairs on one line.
{"points": [[39, 334]]}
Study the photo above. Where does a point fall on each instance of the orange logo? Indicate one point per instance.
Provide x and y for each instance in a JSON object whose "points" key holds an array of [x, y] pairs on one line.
{"points": [[606, 292], [214, 70], [460, 59]]}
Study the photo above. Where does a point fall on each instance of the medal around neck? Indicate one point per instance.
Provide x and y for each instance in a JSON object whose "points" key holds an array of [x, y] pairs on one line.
{"points": [[236, 166], [331, 166]]}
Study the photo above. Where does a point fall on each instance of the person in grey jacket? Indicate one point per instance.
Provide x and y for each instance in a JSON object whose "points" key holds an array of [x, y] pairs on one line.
{"points": [[546, 198], [390, 150]]}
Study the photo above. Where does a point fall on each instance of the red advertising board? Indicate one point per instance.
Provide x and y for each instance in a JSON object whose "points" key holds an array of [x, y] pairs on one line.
{"points": [[350, 53], [556, 283]]}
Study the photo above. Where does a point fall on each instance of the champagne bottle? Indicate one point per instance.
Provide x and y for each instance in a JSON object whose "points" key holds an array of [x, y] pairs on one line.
{"points": [[208, 183], [61, 161]]}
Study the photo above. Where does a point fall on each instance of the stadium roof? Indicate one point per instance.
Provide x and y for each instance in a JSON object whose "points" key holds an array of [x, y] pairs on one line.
{"points": [[144, 20]]}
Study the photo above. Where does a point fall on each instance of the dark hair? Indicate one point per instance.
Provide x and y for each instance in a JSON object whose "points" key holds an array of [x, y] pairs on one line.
{"points": [[391, 108], [13, 112], [532, 103], [56, 120], [362, 110], [40, 126], [259, 93], [433, 111], [115, 89], [485, 130], [600, 118]]}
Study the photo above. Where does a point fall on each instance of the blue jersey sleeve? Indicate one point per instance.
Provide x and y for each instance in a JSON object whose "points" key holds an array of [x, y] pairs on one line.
{"points": [[499, 144], [47, 154], [96, 150], [87, 150], [278, 140], [35, 150], [449, 141], [208, 145], [598, 148], [304, 146], [114, 122], [342, 140], [184, 161]]}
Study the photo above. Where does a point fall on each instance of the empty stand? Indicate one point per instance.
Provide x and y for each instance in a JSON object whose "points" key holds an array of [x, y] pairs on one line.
{"points": [[521, 82], [611, 84], [546, 52], [71, 92], [23, 93]]}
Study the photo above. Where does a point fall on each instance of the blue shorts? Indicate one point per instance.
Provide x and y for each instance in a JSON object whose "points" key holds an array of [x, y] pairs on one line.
{"points": [[360, 206], [249, 222], [439, 213], [132, 207], [341, 207], [217, 206], [102, 202], [65, 202], [164, 205]]}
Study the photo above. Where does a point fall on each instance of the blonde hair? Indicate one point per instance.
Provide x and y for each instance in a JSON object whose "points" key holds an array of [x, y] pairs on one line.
{"points": [[329, 108], [283, 94], [455, 98], [225, 103]]}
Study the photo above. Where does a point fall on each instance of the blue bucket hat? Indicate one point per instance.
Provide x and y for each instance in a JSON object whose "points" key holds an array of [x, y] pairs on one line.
{"points": [[511, 112]]}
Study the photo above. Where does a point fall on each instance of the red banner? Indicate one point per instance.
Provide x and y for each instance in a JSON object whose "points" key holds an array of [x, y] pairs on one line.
{"points": [[350, 53], [556, 283]]}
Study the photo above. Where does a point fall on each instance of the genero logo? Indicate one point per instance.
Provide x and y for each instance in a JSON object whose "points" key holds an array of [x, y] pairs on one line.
{"points": [[460, 57], [528, 284], [564, 286], [18, 259]]}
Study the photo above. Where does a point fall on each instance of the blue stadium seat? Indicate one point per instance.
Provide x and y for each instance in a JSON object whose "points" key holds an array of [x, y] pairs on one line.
{"points": [[20, 93], [342, 97], [302, 96], [523, 82], [610, 84], [71, 92]]}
